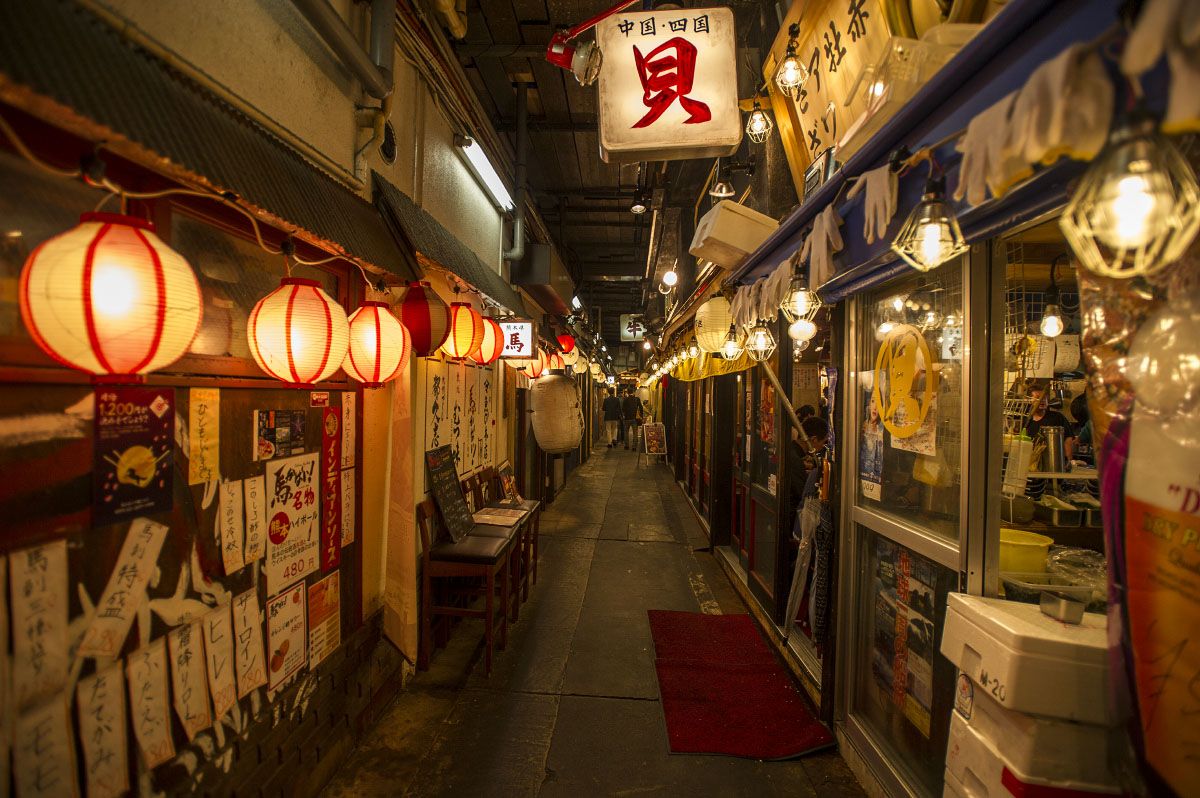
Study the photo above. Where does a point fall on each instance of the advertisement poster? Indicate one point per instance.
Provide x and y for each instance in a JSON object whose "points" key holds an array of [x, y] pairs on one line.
{"points": [[924, 440], [278, 433], [870, 465], [204, 435], [324, 618], [655, 436], [292, 515], [133, 465], [286, 638], [331, 489]]}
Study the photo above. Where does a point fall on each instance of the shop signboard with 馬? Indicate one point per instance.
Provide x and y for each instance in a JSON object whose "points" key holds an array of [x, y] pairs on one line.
{"points": [[518, 338], [668, 86]]}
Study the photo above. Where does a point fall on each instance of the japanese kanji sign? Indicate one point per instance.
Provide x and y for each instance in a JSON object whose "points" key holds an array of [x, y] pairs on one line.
{"points": [[668, 87], [147, 677], [190, 686], [125, 591], [331, 489], [292, 514], [100, 703], [518, 339], [38, 585], [43, 752], [632, 328], [248, 646]]}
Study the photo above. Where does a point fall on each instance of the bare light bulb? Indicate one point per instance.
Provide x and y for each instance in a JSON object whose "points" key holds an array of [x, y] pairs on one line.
{"points": [[1133, 208], [802, 330], [646, 345], [693, 351], [670, 279], [1052, 323]]}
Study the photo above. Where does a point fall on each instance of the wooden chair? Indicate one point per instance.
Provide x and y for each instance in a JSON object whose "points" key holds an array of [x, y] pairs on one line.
{"points": [[492, 490], [480, 559]]}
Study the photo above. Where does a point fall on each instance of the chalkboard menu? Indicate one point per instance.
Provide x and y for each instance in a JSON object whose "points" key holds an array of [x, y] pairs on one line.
{"points": [[443, 481], [655, 436]]}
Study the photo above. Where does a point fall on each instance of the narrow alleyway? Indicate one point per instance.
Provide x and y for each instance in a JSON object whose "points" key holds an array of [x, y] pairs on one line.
{"points": [[572, 705]]}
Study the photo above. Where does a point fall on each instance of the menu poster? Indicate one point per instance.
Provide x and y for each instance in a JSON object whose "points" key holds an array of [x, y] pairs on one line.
{"points": [[231, 526], [655, 436], [349, 427], [146, 674], [324, 618], [43, 753], [189, 686], [278, 433], [218, 659], [133, 468], [100, 705], [331, 489], [38, 591], [286, 636], [125, 591], [509, 482], [204, 435], [443, 480], [870, 464], [255, 501], [292, 514]]}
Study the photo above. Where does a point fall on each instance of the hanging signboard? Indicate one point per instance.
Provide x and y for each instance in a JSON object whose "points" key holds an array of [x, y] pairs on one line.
{"points": [[518, 338], [668, 87], [632, 328]]}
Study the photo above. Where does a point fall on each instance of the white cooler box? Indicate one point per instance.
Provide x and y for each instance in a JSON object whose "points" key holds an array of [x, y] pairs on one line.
{"points": [[975, 768], [1029, 662], [728, 233]]}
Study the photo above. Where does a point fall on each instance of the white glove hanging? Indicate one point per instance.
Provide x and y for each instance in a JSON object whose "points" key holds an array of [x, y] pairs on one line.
{"points": [[985, 164], [879, 187], [1064, 108], [1171, 27], [824, 240]]}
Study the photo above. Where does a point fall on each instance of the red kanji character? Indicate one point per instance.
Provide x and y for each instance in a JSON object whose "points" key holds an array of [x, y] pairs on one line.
{"points": [[667, 76]]}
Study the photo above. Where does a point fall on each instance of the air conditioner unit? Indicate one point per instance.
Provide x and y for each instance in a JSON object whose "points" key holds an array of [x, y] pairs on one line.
{"points": [[728, 233]]}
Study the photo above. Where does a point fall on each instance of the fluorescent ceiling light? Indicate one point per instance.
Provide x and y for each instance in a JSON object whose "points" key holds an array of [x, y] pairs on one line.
{"points": [[485, 173], [575, 303]]}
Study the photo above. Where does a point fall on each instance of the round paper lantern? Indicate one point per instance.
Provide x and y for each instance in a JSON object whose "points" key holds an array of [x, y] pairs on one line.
{"points": [[567, 342], [110, 298], [466, 331], [555, 362], [570, 358], [492, 345], [536, 366], [379, 345], [555, 414], [298, 333], [594, 368], [580, 366], [712, 324], [425, 316]]}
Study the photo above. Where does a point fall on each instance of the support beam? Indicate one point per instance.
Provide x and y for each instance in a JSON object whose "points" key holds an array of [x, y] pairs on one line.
{"points": [[546, 126]]}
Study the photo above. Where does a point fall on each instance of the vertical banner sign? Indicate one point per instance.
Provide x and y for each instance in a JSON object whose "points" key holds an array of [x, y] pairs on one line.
{"points": [[324, 618], [204, 435], [125, 591], [248, 644], [188, 679], [100, 703], [286, 636], [668, 86], [255, 500], [292, 515], [331, 489], [38, 585], [133, 468], [218, 659], [147, 677], [44, 755], [231, 526], [349, 427], [348, 482]]}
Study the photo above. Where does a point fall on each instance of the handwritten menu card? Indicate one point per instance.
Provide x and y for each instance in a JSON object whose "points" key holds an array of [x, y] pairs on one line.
{"points": [[187, 672], [100, 703], [126, 589], [447, 492], [248, 643], [146, 673], [43, 753], [38, 588], [218, 658]]}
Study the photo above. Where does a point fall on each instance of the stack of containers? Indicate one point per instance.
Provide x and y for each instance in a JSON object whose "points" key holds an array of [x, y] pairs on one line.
{"points": [[1031, 714]]}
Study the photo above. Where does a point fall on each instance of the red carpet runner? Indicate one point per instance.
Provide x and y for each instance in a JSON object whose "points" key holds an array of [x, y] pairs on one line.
{"points": [[723, 691]]}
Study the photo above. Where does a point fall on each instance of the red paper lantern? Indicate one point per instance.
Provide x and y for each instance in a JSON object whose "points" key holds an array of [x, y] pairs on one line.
{"points": [[425, 316], [555, 362], [535, 366], [379, 345], [466, 331], [492, 345], [567, 342], [110, 298], [298, 333]]}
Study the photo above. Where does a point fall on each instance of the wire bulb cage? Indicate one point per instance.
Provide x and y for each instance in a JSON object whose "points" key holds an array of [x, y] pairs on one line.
{"points": [[931, 235], [760, 344], [758, 124]]}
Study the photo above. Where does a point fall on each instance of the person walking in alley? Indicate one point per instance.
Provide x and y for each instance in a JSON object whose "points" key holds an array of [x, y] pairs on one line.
{"points": [[612, 416], [631, 412]]}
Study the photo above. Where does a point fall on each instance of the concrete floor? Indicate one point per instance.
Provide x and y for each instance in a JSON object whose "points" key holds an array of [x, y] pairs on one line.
{"points": [[571, 708]]}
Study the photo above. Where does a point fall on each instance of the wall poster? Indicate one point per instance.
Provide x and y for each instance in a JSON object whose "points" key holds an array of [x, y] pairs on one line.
{"points": [[286, 636], [278, 433], [870, 454], [324, 618], [133, 466], [292, 513]]}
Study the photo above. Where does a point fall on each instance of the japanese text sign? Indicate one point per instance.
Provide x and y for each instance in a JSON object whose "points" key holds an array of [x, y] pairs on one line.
{"points": [[518, 339], [632, 328], [668, 87], [292, 513]]}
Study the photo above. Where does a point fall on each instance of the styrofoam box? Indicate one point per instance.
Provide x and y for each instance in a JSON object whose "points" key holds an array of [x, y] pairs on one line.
{"points": [[1030, 662], [979, 768], [728, 233], [1058, 750]]}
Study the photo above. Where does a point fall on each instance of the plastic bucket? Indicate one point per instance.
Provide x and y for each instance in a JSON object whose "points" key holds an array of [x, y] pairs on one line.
{"points": [[1024, 552]]}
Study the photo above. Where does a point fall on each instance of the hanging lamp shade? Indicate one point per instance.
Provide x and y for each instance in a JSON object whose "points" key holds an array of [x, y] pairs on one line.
{"points": [[110, 298], [555, 414], [536, 365], [712, 324], [580, 366], [566, 342], [466, 331], [379, 345], [492, 345], [298, 333], [425, 316]]}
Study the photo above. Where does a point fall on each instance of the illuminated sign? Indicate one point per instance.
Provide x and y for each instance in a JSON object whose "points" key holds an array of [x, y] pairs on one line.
{"points": [[518, 338], [632, 328], [668, 86]]}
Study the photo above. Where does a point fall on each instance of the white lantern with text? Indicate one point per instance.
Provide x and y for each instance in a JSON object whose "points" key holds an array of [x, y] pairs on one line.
{"points": [[668, 86]]}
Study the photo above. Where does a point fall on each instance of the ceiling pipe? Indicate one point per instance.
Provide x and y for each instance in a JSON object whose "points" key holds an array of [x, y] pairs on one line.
{"points": [[373, 70], [517, 251]]}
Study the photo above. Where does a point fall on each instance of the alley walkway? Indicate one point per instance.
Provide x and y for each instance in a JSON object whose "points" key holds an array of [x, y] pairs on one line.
{"points": [[571, 708]]}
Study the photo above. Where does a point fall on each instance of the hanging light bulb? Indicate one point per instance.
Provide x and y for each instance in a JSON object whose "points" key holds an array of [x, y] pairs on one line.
{"points": [[732, 348], [792, 73], [1052, 321], [722, 189], [799, 301], [1137, 207], [931, 235], [758, 124], [802, 330], [761, 343], [670, 279], [639, 203], [884, 329], [693, 350], [646, 345]]}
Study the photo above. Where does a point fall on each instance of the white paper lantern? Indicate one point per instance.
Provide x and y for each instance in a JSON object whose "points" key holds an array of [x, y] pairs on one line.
{"points": [[712, 324], [556, 416], [379, 345], [298, 333], [580, 366]]}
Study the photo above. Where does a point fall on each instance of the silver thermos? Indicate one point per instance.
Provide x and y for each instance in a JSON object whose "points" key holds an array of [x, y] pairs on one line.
{"points": [[1056, 459]]}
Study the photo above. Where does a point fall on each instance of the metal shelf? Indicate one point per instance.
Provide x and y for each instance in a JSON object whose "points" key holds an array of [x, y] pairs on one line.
{"points": [[1080, 473]]}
